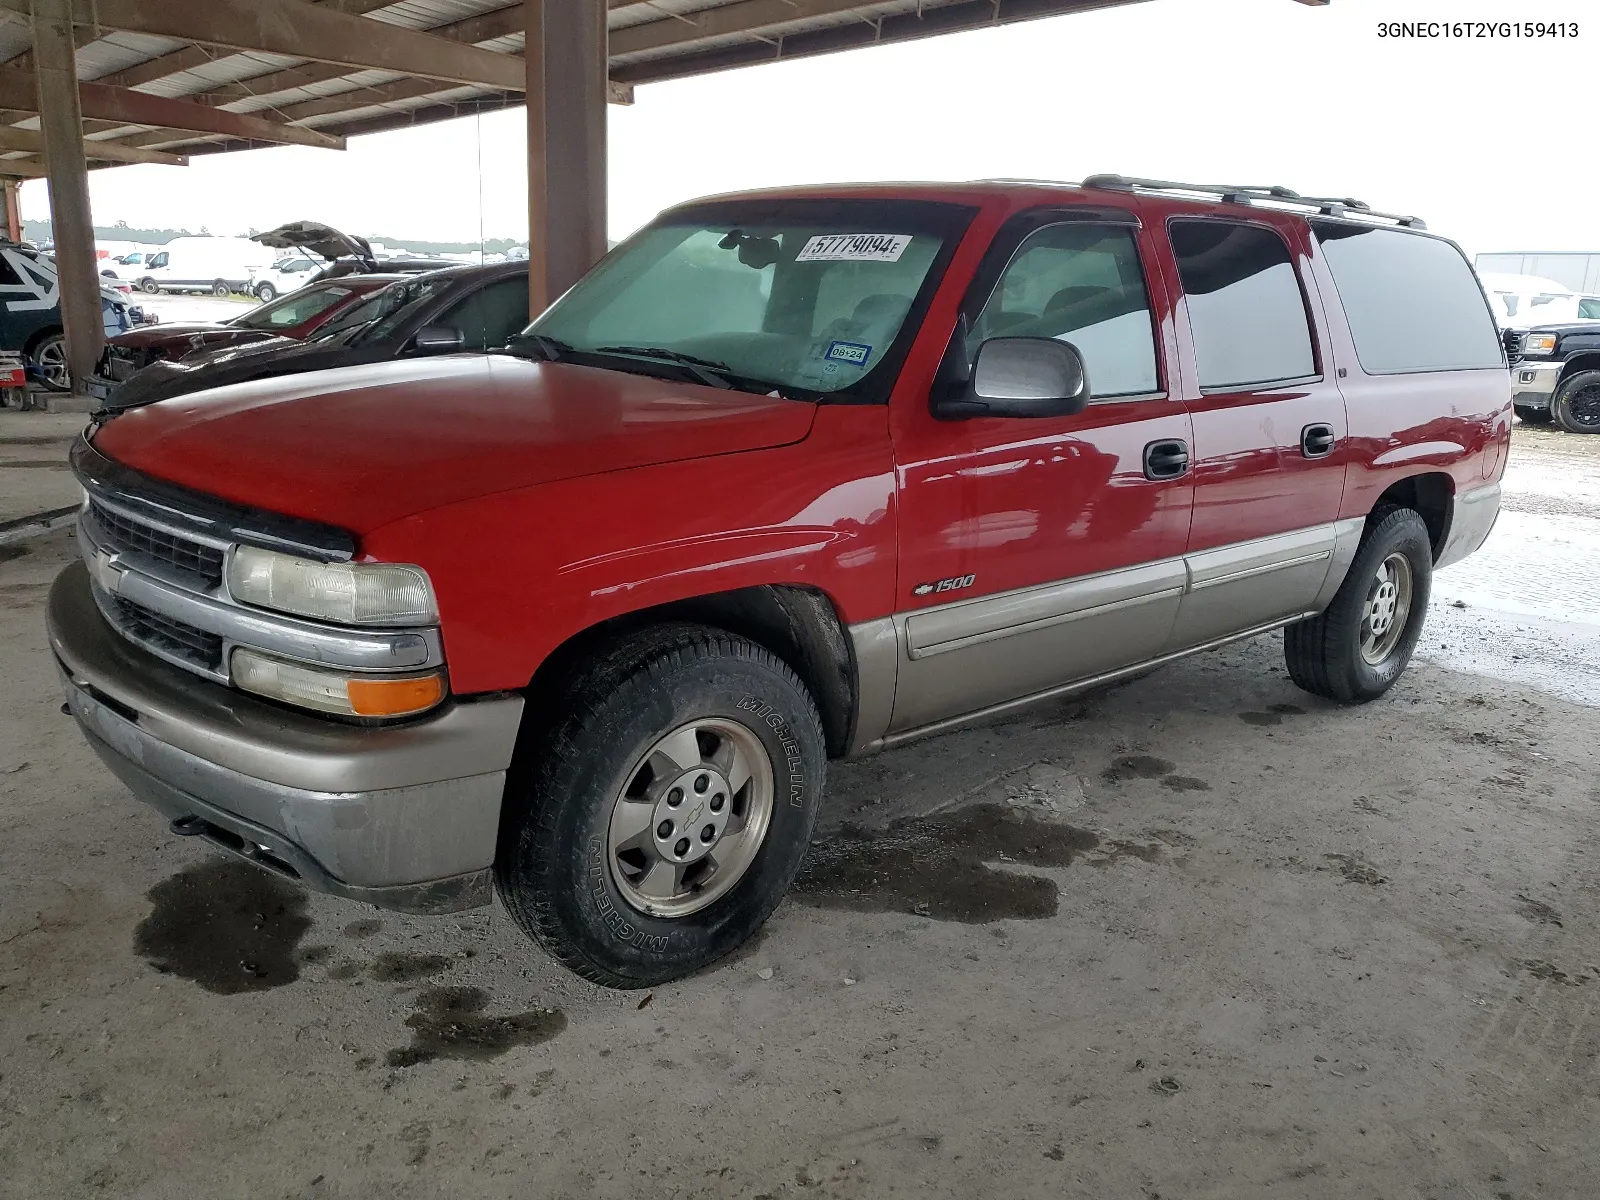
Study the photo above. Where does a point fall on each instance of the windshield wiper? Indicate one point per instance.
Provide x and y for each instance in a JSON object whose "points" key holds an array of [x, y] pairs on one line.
{"points": [[706, 370], [550, 349]]}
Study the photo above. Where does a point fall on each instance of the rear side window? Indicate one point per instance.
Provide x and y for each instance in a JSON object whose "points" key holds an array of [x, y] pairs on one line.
{"points": [[1246, 311], [1412, 301]]}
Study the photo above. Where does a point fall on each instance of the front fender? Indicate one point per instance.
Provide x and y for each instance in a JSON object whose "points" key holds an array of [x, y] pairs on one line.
{"points": [[521, 572]]}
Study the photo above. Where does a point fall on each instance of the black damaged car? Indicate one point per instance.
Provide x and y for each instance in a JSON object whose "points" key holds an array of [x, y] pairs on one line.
{"points": [[441, 312]]}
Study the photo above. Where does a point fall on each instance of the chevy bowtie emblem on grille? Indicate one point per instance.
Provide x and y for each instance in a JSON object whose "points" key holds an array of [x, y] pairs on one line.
{"points": [[954, 584], [106, 574]]}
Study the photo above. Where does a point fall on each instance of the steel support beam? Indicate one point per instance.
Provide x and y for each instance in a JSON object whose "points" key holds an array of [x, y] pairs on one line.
{"points": [[72, 225], [566, 100], [17, 90]]}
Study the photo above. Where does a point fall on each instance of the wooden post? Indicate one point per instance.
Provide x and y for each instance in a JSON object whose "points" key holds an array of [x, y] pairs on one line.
{"points": [[567, 91], [72, 225]]}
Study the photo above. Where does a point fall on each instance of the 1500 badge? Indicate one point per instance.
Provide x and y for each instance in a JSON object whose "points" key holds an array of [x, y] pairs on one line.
{"points": [[954, 584]]}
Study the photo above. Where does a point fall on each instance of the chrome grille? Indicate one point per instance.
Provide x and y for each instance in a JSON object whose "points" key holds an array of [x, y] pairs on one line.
{"points": [[165, 636], [131, 536]]}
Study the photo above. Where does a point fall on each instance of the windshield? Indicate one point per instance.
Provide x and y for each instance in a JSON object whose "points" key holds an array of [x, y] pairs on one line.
{"points": [[293, 309], [380, 303], [397, 304], [807, 298]]}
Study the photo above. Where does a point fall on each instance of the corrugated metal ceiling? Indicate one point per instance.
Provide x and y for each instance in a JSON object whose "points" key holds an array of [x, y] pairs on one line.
{"points": [[651, 40]]}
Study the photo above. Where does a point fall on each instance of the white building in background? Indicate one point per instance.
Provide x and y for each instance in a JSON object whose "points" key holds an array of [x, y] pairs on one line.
{"points": [[1575, 271]]}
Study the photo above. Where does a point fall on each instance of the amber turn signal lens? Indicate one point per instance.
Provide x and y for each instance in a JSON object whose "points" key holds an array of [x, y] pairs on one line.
{"points": [[394, 697]]}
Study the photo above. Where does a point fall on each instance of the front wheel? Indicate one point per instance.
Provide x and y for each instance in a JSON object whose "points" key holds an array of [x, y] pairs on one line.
{"points": [[666, 811], [1354, 651], [149, 286], [1576, 404], [266, 293]]}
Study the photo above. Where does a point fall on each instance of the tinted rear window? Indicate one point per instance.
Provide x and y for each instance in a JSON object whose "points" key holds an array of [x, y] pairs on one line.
{"points": [[1245, 308], [1412, 301]]}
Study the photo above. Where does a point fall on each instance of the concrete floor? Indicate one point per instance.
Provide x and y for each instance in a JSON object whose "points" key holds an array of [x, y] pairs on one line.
{"points": [[1199, 936]]}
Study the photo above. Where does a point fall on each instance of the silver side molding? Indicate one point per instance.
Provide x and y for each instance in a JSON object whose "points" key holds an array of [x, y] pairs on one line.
{"points": [[1471, 520], [931, 669], [970, 622], [993, 710]]}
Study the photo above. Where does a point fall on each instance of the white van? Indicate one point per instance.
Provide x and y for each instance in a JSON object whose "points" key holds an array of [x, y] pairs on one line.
{"points": [[203, 264]]}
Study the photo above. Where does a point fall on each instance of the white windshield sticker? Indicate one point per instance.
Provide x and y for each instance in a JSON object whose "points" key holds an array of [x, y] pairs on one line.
{"points": [[854, 247]]}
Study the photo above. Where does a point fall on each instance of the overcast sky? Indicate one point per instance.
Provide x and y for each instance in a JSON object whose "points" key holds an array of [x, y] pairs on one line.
{"points": [[1482, 138]]}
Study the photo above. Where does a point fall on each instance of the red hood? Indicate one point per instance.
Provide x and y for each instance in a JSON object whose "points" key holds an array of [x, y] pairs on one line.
{"points": [[359, 447], [155, 335]]}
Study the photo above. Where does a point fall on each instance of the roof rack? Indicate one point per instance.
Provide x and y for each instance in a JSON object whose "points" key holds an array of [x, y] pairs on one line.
{"points": [[1328, 206]]}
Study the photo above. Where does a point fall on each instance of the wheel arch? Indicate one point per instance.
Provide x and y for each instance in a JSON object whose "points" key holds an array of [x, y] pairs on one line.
{"points": [[1584, 360], [1432, 495], [801, 625], [39, 335]]}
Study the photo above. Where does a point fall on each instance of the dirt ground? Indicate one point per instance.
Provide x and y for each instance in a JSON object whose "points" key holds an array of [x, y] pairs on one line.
{"points": [[1198, 936]]}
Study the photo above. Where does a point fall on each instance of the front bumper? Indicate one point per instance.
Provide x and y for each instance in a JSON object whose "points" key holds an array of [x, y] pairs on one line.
{"points": [[1533, 383], [404, 817]]}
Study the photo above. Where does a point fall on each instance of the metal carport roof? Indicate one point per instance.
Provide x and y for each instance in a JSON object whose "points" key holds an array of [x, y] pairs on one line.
{"points": [[109, 82]]}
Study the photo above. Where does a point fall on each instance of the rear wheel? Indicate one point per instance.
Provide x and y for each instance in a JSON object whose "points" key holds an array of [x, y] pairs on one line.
{"points": [[1533, 416], [220, 288], [1354, 651], [49, 357], [666, 811], [1576, 404], [266, 293]]}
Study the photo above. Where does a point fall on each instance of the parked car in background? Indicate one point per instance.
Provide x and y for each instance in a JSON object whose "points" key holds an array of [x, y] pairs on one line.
{"points": [[788, 476], [284, 276], [30, 314], [218, 265], [295, 316], [312, 252], [1555, 374], [121, 265], [462, 308]]}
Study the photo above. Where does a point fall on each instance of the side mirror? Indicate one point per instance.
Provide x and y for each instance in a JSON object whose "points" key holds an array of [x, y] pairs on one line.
{"points": [[1021, 377], [438, 339]]}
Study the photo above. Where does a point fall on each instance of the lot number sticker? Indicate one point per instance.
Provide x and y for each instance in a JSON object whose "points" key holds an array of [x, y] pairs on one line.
{"points": [[854, 247]]}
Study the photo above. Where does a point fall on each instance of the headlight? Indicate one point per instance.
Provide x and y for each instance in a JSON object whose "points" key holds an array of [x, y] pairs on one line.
{"points": [[1539, 343], [333, 692], [345, 593]]}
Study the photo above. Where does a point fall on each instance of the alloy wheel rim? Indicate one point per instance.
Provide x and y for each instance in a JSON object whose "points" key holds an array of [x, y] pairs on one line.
{"points": [[1585, 405], [51, 359], [690, 817], [1387, 609]]}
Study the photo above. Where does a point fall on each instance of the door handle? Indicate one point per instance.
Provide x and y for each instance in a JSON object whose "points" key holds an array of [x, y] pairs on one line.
{"points": [[1167, 459], [1317, 441]]}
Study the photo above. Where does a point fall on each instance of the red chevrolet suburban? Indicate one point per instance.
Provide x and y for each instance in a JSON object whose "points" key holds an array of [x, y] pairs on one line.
{"points": [[788, 476]]}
